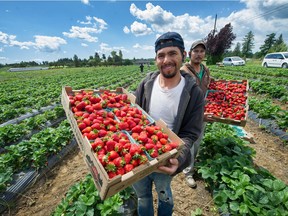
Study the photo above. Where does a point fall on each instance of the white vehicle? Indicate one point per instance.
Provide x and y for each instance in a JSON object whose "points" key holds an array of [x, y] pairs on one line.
{"points": [[233, 61], [279, 59]]}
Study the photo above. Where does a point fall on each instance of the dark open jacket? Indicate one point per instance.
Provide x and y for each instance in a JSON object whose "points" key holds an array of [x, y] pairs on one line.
{"points": [[189, 119], [206, 76]]}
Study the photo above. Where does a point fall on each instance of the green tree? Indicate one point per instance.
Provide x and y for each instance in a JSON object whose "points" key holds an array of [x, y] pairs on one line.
{"points": [[237, 51], [268, 43], [279, 45], [248, 45], [218, 44], [76, 61], [97, 59]]}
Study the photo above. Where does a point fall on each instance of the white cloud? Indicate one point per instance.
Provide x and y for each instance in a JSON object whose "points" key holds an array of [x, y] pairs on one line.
{"points": [[48, 44], [143, 47], [85, 2], [42, 43], [126, 30], [5, 38], [2, 58], [84, 45], [82, 33], [260, 17], [140, 29], [87, 33]]}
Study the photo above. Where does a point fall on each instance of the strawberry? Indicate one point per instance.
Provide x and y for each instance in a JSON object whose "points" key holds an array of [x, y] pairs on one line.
{"points": [[120, 171], [150, 130], [110, 167], [123, 126], [134, 149], [128, 167], [118, 147], [174, 145], [127, 158], [110, 144], [153, 153], [149, 146], [112, 174], [97, 144], [112, 155], [101, 159], [143, 159], [163, 141], [102, 133], [136, 129], [166, 148], [82, 126], [119, 162], [134, 162]]}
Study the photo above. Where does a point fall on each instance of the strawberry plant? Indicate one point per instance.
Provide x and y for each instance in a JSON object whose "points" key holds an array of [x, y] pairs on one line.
{"points": [[83, 199], [238, 187]]}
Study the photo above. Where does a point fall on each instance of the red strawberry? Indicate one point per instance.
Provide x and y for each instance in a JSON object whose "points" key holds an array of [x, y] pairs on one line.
{"points": [[153, 153], [118, 147], [112, 155], [128, 167], [110, 144], [137, 129], [119, 162], [134, 149], [166, 148], [127, 158], [149, 146], [123, 126], [120, 171], [112, 174], [97, 144], [102, 133]]}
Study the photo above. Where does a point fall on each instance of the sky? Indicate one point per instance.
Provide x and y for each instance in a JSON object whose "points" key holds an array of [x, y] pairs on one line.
{"points": [[51, 30]]}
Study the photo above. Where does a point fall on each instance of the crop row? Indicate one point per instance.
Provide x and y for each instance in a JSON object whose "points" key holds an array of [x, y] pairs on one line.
{"points": [[33, 153], [13, 133], [36, 89]]}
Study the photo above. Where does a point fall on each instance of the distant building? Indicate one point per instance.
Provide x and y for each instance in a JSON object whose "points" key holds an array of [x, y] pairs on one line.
{"points": [[27, 69]]}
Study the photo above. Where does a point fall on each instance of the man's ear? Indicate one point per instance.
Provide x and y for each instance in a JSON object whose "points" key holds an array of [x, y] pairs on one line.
{"points": [[184, 56]]}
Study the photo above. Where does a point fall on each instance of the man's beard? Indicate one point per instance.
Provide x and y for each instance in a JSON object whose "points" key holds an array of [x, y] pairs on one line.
{"points": [[170, 75]]}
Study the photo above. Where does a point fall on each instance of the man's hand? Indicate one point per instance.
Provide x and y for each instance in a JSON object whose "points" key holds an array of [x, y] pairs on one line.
{"points": [[171, 167], [208, 117]]}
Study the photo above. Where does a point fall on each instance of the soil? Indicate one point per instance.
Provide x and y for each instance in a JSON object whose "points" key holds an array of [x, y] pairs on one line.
{"points": [[42, 197]]}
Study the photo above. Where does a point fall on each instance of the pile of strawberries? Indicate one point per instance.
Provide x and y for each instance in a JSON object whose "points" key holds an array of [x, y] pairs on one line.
{"points": [[121, 134], [227, 99]]}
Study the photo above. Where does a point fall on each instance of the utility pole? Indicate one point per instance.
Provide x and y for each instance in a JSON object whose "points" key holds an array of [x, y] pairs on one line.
{"points": [[215, 25]]}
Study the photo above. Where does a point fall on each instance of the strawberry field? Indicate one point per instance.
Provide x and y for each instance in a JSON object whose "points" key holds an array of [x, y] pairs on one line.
{"points": [[35, 138]]}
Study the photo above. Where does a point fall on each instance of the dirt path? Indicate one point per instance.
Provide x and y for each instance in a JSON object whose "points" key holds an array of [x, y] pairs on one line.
{"points": [[46, 194]]}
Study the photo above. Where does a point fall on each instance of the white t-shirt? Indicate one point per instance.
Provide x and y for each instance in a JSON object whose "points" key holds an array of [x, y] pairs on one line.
{"points": [[164, 102]]}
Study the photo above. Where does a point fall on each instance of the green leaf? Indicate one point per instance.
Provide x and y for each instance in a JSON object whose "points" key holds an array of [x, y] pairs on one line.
{"points": [[197, 212], [255, 209], [278, 185], [85, 200], [243, 209], [220, 198], [234, 206]]}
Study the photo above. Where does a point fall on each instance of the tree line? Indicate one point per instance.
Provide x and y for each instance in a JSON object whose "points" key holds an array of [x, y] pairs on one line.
{"points": [[218, 47], [219, 44]]}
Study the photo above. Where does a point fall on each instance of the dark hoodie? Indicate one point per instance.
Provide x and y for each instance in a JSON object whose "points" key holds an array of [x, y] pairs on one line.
{"points": [[189, 119]]}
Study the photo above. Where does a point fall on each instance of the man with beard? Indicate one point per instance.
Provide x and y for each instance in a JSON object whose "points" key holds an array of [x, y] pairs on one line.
{"points": [[202, 77], [173, 96]]}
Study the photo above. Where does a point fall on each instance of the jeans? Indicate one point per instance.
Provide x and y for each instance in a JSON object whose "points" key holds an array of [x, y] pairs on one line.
{"points": [[189, 170], [143, 189]]}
